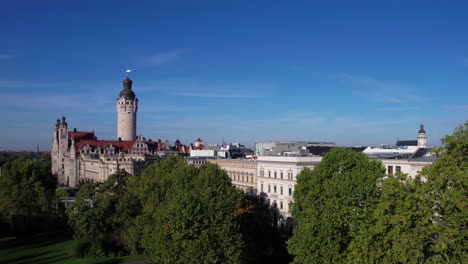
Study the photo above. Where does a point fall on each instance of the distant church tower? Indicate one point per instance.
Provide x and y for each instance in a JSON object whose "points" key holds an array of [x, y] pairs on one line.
{"points": [[422, 137], [127, 107]]}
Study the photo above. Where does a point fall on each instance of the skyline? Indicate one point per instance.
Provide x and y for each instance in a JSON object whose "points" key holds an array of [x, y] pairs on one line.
{"points": [[354, 75]]}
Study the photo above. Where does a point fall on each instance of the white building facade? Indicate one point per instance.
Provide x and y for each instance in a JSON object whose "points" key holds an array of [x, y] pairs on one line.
{"points": [[276, 179]]}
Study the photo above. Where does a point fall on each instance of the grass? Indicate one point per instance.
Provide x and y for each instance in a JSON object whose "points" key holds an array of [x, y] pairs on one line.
{"points": [[45, 248]]}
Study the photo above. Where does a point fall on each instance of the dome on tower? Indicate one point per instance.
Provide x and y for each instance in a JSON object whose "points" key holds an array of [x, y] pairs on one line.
{"points": [[421, 129], [63, 123], [127, 92]]}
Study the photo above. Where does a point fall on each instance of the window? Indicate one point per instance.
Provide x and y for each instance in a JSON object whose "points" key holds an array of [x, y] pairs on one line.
{"points": [[269, 188], [275, 174], [262, 173], [390, 170], [261, 187], [290, 191], [269, 174], [398, 169], [281, 190], [281, 175], [281, 204], [274, 189]]}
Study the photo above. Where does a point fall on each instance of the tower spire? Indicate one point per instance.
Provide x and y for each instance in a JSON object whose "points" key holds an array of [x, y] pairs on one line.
{"points": [[127, 107]]}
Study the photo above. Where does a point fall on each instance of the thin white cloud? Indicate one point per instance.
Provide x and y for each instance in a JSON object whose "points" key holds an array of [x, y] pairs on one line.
{"points": [[398, 109], [163, 58], [23, 84], [59, 103], [458, 108], [219, 95], [347, 122], [382, 91], [4, 57], [465, 62]]}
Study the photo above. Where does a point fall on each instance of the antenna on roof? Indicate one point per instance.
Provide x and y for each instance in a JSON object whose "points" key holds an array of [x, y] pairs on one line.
{"points": [[128, 71]]}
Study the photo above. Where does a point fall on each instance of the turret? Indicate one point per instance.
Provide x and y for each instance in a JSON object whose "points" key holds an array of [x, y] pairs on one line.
{"points": [[422, 138], [127, 107], [59, 148]]}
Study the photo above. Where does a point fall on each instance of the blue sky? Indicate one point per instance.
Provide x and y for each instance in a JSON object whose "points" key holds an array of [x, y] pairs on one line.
{"points": [[364, 73]]}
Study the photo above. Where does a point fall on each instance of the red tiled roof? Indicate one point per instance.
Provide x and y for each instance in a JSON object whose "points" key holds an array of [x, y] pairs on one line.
{"points": [[121, 145], [199, 140], [81, 135], [153, 145], [187, 149], [201, 146]]}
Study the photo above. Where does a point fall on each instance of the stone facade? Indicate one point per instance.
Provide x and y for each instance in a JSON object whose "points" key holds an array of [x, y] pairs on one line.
{"points": [[243, 173]]}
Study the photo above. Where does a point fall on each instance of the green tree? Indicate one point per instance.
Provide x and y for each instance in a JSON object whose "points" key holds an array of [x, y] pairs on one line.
{"points": [[399, 227], [329, 201], [446, 192], [421, 220], [150, 190], [198, 222], [189, 215], [27, 189], [101, 213]]}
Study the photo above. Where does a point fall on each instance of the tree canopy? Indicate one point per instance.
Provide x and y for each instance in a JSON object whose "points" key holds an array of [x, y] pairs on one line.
{"points": [[329, 201], [190, 214], [27, 189], [420, 220], [101, 213]]}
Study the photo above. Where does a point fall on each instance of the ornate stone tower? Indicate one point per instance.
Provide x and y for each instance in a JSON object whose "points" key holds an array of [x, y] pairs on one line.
{"points": [[422, 138], [59, 149], [127, 107]]}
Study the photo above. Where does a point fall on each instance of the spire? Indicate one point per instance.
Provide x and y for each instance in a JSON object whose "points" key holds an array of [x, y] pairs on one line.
{"points": [[421, 129], [127, 89], [63, 123]]}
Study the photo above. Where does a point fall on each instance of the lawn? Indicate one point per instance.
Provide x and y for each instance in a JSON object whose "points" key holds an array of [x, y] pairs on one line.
{"points": [[48, 248]]}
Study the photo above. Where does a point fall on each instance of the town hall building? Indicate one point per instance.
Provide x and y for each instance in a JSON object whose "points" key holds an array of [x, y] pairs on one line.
{"points": [[78, 156]]}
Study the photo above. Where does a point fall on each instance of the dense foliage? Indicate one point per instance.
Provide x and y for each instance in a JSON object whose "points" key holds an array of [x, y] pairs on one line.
{"points": [[405, 220], [189, 214], [174, 213], [329, 201], [100, 215], [27, 189], [421, 220]]}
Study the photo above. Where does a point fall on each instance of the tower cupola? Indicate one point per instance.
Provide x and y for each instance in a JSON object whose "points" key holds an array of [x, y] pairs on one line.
{"points": [[422, 137], [127, 107], [421, 129], [127, 92]]}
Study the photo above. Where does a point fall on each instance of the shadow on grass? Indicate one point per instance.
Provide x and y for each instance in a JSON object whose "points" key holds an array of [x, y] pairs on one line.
{"points": [[40, 248], [43, 260], [36, 240]]}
